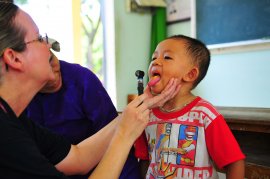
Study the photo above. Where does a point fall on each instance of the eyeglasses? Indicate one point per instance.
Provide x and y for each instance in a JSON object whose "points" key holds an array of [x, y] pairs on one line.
{"points": [[39, 39]]}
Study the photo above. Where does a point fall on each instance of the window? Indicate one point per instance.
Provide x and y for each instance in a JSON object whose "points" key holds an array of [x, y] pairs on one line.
{"points": [[78, 26]]}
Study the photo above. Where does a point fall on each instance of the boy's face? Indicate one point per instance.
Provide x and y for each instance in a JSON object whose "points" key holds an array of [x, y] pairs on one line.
{"points": [[170, 60], [55, 84]]}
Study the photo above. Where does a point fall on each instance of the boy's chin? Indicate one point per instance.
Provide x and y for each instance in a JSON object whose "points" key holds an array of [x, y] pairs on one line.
{"points": [[51, 79], [155, 91]]}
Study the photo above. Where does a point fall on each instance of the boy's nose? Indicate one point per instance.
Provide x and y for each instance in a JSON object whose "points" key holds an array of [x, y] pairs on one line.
{"points": [[156, 62]]}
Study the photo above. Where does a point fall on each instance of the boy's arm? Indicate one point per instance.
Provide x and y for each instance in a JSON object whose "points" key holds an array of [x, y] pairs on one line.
{"points": [[236, 170], [143, 166], [141, 153]]}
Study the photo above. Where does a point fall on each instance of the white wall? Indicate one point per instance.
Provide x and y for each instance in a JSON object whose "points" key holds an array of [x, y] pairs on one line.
{"points": [[132, 36], [238, 79], [179, 28]]}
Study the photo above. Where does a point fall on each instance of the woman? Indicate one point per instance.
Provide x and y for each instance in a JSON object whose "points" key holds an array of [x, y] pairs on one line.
{"points": [[30, 151]]}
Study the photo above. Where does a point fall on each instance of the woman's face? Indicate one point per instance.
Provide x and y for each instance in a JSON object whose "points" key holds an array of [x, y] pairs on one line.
{"points": [[36, 56]]}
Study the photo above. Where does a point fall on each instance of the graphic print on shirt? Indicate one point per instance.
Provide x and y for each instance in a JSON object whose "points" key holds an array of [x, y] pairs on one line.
{"points": [[162, 151], [187, 140], [168, 155]]}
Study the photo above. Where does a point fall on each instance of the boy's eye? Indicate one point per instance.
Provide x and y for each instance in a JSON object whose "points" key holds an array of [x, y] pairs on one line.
{"points": [[153, 58], [167, 58]]}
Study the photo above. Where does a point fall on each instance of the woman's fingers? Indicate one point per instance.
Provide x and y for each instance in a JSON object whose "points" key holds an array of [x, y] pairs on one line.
{"points": [[177, 90], [168, 93], [147, 91], [146, 116], [137, 101], [171, 83], [134, 118]]}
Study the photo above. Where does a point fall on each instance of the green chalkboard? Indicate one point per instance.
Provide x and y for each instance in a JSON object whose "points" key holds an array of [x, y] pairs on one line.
{"points": [[224, 21]]}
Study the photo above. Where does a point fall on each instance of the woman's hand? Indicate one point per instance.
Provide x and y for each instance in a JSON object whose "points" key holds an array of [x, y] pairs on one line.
{"points": [[168, 93], [134, 118], [136, 115]]}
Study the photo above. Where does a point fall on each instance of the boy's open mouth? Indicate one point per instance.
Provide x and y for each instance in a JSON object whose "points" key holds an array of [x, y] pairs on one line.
{"points": [[155, 78]]}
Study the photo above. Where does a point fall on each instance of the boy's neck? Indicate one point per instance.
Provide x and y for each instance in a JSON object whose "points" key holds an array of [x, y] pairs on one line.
{"points": [[178, 102]]}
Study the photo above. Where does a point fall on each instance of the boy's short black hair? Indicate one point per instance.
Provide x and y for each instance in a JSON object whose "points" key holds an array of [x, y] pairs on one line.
{"points": [[199, 53]]}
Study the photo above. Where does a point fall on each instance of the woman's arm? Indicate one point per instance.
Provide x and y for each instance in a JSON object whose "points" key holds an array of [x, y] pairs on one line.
{"points": [[129, 131], [133, 122], [123, 131], [85, 156]]}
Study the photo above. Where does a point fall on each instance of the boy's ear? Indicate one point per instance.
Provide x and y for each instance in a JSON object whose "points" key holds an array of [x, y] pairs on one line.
{"points": [[10, 57], [192, 74]]}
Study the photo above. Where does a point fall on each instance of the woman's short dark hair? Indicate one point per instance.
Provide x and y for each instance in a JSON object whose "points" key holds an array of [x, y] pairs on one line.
{"points": [[11, 34]]}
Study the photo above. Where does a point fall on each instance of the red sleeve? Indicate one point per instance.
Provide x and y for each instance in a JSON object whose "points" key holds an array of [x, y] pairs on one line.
{"points": [[221, 144], [140, 146]]}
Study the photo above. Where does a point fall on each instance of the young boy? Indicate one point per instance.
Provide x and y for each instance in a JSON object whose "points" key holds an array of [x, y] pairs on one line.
{"points": [[187, 137]]}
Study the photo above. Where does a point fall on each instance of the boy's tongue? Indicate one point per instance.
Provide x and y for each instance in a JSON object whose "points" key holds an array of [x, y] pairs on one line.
{"points": [[154, 81]]}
